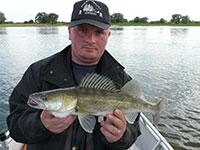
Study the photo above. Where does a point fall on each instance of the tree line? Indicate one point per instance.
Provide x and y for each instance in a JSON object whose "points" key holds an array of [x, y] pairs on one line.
{"points": [[176, 19], [41, 17], [52, 18]]}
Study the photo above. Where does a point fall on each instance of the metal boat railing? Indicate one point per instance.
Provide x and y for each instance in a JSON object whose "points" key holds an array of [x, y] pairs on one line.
{"points": [[150, 139]]}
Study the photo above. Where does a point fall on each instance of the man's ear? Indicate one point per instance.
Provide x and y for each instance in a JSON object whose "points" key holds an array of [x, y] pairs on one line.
{"points": [[109, 33], [69, 31]]}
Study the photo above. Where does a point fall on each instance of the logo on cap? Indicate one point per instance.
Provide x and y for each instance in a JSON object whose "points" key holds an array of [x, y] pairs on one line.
{"points": [[90, 12], [90, 9]]}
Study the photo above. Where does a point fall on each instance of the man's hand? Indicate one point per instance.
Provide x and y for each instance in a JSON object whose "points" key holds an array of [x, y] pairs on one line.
{"points": [[54, 124], [114, 126]]}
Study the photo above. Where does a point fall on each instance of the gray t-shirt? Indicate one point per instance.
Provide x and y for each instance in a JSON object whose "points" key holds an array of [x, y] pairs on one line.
{"points": [[79, 72]]}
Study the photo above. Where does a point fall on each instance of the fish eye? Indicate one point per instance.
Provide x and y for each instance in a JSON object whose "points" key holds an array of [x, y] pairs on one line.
{"points": [[43, 97]]}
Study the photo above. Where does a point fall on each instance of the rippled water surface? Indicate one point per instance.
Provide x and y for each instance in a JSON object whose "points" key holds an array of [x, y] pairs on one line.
{"points": [[165, 61]]}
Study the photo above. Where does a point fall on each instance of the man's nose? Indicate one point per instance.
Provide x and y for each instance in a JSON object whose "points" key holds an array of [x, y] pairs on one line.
{"points": [[91, 38]]}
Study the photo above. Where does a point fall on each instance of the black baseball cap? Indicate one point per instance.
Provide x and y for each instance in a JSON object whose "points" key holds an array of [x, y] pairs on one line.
{"points": [[91, 12]]}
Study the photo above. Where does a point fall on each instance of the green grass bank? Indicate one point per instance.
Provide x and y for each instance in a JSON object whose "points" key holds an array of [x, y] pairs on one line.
{"points": [[114, 24]]}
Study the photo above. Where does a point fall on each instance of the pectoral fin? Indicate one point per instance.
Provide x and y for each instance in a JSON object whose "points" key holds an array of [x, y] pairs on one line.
{"points": [[87, 122]]}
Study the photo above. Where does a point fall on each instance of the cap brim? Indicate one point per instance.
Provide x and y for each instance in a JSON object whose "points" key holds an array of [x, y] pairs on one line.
{"points": [[91, 22]]}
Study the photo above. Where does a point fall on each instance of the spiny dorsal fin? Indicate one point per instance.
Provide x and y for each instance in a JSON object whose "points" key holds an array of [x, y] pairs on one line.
{"points": [[97, 81]]}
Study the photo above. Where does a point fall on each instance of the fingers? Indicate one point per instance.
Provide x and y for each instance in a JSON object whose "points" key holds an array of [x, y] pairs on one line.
{"points": [[48, 118], [62, 124], [118, 113], [114, 127], [54, 124], [47, 114], [121, 120], [109, 129]]}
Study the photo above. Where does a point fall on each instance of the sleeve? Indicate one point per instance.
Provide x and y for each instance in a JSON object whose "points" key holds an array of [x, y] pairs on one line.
{"points": [[24, 122]]}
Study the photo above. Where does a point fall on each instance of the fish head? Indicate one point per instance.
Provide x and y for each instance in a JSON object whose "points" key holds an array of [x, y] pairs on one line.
{"points": [[67, 108], [50, 100]]}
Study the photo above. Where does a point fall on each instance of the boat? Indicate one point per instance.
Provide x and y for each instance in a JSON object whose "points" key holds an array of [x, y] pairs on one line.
{"points": [[150, 139]]}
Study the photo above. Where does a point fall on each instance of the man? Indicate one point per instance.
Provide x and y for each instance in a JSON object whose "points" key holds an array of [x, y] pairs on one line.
{"points": [[40, 130]]}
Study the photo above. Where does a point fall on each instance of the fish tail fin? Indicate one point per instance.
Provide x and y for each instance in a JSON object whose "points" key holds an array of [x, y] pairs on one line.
{"points": [[156, 116]]}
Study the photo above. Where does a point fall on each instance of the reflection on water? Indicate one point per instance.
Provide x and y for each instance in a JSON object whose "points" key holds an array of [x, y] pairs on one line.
{"points": [[3, 30], [116, 28], [47, 30], [180, 30], [165, 61]]}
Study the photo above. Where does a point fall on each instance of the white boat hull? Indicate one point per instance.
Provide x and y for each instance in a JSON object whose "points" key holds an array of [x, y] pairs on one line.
{"points": [[150, 138]]}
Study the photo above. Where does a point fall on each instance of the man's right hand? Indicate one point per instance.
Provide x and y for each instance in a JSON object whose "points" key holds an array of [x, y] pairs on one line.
{"points": [[54, 124]]}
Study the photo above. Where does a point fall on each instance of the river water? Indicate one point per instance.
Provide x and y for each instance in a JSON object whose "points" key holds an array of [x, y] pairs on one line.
{"points": [[165, 61]]}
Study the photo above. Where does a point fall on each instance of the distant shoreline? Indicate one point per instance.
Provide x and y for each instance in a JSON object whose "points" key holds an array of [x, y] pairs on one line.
{"points": [[32, 25], [117, 24]]}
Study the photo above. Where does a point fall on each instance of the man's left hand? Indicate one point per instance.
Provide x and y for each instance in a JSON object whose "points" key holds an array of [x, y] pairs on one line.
{"points": [[114, 126]]}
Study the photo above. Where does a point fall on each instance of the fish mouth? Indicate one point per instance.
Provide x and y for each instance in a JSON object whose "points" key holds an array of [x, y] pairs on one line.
{"points": [[38, 104]]}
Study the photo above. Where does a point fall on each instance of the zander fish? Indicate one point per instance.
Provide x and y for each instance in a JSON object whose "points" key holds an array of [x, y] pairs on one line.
{"points": [[96, 95]]}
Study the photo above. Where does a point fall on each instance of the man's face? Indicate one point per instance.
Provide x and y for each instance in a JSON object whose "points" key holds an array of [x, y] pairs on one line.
{"points": [[88, 43]]}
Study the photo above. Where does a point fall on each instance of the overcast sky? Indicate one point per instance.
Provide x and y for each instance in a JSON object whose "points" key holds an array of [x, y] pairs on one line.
{"points": [[25, 10]]}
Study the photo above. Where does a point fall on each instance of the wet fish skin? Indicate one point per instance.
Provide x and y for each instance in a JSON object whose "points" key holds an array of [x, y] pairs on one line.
{"points": [[89, 99], [60, 102], [101, 102]]}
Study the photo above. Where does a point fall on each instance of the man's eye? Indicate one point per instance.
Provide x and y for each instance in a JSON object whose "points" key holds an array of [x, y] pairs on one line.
{"points": [[99, 32], [82, 30]]}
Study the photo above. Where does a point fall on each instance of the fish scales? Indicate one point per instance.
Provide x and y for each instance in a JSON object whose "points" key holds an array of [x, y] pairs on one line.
{"points": [[100, 102], [95, 96]]}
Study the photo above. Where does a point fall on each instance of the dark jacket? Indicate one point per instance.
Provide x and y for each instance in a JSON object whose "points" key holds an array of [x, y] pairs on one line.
{"points": [[54, 72]]}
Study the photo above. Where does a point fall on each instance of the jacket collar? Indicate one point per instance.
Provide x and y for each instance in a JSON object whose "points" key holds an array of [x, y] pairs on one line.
{"points": [[60, 72], [108, 65]]}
